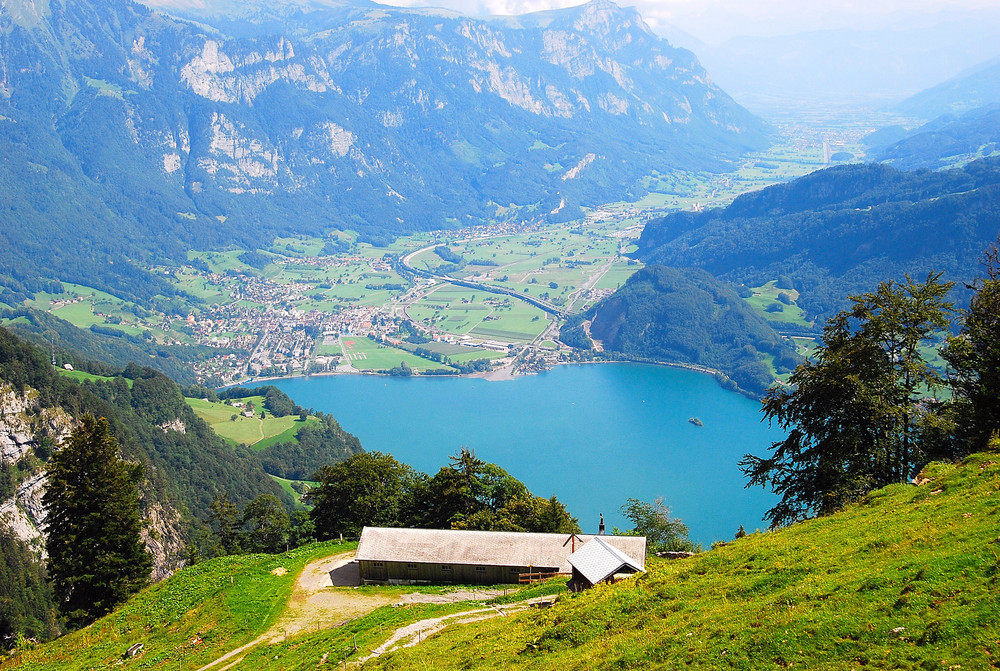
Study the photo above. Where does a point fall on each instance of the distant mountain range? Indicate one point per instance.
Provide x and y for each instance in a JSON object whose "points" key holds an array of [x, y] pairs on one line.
{"points": [[944, 142], [840, 231], [976, 87], [848, 68], [132, 136]]}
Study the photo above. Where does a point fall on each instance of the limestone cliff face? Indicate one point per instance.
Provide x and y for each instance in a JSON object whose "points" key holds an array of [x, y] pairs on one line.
{"points": [[28, 433]]}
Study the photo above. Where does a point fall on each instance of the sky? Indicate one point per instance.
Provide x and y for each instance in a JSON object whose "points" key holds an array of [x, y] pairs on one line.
{"points": [[714, 21]]}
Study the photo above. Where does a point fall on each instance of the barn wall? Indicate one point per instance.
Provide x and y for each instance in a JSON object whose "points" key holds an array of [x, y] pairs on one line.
{"points": [[461, 574]]}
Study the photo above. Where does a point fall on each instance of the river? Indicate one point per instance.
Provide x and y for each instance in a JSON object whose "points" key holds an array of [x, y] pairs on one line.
{"points": [[593, 435]]}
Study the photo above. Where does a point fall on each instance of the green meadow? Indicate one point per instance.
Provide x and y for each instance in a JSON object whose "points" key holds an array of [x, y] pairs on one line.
{"points": [[767, 296], [366, 354], [185, 621], [908, 578], [464, 311], [253, 431]]}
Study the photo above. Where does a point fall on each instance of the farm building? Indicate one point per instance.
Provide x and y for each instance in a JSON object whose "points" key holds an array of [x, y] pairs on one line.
{"points": [[599, 561], [414, 556]]}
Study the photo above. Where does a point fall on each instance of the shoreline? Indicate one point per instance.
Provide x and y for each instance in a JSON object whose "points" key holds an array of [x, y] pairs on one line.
{"points": [[499, 375]]}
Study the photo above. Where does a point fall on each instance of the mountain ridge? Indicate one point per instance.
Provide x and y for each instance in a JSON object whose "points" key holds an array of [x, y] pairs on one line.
{"points": [[180, 136]]}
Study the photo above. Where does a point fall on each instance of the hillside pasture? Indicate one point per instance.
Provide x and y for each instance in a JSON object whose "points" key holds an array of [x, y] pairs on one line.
{"points": [[253, 431]]}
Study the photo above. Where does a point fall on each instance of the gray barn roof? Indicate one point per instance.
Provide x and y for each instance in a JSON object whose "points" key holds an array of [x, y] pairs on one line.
{"points": [[598, 560], [484, 548]]}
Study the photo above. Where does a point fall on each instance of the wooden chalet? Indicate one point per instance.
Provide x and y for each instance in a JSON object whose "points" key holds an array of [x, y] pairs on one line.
{"points": [[439, 556]]}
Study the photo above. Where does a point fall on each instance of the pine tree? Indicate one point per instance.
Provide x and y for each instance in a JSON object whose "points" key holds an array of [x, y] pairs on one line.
{"points": [[974, 357], [96, 555]]}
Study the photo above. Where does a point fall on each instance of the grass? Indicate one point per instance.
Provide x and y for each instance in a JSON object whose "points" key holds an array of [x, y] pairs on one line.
{"points": [[767, 295], [907, 579], [465, 311], [185, 621], [287, 486], [366, 354], [83, 376], [253, 431], [79, 314]]}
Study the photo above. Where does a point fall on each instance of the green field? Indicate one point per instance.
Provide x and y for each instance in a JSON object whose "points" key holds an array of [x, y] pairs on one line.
{"points": [[82, 376], [767, 295], [366, 354], [251, 431], [617, 275], [287, 486], [905, 579], [464, 311]]}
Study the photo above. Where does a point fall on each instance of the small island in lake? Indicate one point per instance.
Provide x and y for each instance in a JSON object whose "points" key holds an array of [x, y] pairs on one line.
{"points": [[696, 421]]}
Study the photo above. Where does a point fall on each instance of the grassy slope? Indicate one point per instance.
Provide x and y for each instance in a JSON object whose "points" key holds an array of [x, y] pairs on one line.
{"points": [[249, 430], [225, 602], [830, 593]]}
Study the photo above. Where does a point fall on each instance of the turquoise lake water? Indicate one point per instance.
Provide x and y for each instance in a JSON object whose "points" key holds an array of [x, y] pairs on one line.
{"points": [[593, 435]]}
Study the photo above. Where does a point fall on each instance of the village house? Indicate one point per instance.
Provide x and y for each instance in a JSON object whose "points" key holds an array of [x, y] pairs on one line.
{"points": [[439, 556]]}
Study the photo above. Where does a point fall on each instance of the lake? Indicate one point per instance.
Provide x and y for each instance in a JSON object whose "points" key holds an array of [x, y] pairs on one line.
{"points": [[593, 435]]}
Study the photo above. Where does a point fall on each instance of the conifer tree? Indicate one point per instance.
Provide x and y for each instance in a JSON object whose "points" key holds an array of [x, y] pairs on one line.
{"points": [[974, 357], [96, 555]]}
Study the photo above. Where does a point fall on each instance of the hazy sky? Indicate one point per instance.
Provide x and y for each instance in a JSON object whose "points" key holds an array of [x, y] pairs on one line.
{"points": [[716, 20]]}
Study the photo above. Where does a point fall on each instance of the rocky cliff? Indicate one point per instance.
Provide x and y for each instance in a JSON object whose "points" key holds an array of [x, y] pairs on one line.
{"points": [[28, 434]]}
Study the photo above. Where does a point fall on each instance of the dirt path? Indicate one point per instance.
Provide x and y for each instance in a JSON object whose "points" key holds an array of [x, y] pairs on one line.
{"points": [[412, 634], [312, 606]]}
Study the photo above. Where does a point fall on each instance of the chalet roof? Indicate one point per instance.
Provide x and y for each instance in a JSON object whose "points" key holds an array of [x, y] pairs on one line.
{"points": [[598, 560], [485, 548]]}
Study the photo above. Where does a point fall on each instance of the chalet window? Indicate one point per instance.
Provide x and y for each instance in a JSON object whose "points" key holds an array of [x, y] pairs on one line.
{"points": [[445, 567], [376, 564], [481, 569], [411, 567]]}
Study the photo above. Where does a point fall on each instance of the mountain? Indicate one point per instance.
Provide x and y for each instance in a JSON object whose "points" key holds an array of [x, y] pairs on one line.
{"points": [[941, 143], [686, 316], [840, 231], [186, 463], [132, 136], [978, 86]]}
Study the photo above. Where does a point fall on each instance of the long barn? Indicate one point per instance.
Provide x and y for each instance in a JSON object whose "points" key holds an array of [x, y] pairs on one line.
{"points": [[438, 556]]}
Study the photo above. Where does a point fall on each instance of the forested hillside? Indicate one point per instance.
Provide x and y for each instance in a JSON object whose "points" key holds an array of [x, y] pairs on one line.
{"points": [[186, 464], [944, 142], [839, 231], [686, 316]]}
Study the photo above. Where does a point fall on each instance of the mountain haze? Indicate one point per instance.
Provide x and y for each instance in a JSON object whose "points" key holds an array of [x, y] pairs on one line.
{"points": [[132, 135], [975, 87]]}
